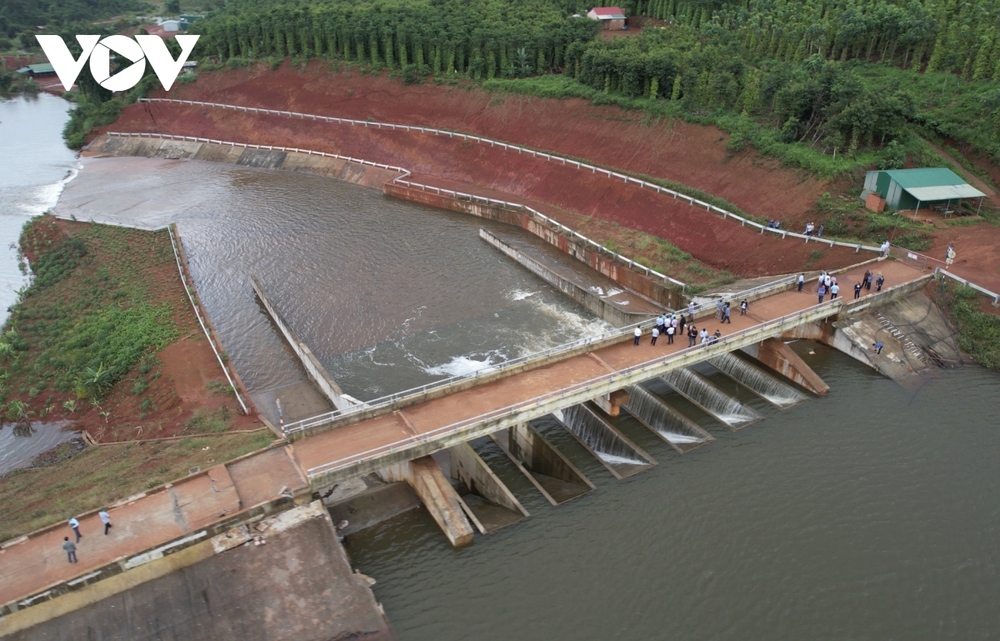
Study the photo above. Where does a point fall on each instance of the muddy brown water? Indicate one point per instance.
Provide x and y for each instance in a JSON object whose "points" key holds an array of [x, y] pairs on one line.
{"points": [[870, 513], [389, 295]]}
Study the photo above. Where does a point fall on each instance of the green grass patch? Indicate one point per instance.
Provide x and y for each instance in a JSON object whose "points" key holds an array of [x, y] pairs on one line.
{"points": [[978, 331]]}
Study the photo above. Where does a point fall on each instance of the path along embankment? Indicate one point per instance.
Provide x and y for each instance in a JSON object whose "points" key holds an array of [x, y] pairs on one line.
{"points": [[524, 178]]}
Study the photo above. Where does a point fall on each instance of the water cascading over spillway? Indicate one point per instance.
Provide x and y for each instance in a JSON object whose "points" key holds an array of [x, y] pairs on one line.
{"points": [[614, 450], [708, 397], [758, 381], [682, 434]]}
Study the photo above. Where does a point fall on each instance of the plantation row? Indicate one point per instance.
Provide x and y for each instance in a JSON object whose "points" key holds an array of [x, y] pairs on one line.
{"points": [[943, 35], [482, 38]]}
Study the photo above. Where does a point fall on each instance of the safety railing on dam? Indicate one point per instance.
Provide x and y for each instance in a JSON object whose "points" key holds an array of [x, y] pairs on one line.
{"points": [[503, 417], [402, 181], [941, 273], [393, 401], [539, 154]]}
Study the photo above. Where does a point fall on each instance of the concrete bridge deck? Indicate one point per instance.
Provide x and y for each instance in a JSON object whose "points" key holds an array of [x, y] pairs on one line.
{"points": [[424, 428]]}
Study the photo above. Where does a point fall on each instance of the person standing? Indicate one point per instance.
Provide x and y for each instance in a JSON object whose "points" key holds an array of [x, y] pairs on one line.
{"points": [[75, 526], [670, 334], [949, 256], [655, 334], [661, 322], [692, 335], [819, 232], [868, 281], [743, 307], [879, 281], [638, 334], [801, 281], [857, 291], [834, 290], [70, 548], [884, 249], [718, 309], [105, 519], [725, 314], [821, 292], [680, 325], [703, 336], [691, 310]]}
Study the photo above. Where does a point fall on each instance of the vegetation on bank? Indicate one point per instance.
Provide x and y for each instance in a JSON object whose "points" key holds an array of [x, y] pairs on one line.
{"points": [[89, 317], [100, 475], [978, 331]]}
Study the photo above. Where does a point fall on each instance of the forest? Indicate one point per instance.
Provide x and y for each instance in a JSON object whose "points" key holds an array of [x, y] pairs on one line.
{"points": [[836, 76]]}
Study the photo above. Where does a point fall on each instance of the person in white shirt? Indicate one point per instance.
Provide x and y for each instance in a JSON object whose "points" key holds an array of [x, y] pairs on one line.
{"points": [[638, 334]]}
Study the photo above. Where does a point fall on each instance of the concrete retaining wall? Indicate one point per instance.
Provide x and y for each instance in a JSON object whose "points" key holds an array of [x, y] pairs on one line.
{"points": [[589, 300], [373, 177], [313, 367], [445, 506], [547, 468], [616, 271]]}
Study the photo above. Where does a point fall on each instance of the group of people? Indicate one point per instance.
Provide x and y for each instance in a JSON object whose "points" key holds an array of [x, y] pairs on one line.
{"points": [[827, 284], [677, 324], [774, 224], [812, 229], [74, 524]]}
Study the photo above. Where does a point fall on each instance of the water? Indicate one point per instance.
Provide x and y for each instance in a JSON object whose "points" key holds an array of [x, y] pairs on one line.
{"points": [[388, 295], [601, 439], [34, 167], [761, 383], [695, 388], [869, 513], [670, 424]]}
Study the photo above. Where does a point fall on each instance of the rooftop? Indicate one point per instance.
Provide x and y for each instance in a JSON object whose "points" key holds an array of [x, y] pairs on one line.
{"points": [[608, 13], [925, 177]]}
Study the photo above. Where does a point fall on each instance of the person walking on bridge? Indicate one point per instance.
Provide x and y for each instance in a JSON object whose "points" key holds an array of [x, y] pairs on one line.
{"points": [[75, 526], [801, 281], [105, 519], [655, 334], [70, 548], [879, 281], [821, 292], [834, 290], [725, 314], [638, 334], [743, 307]]}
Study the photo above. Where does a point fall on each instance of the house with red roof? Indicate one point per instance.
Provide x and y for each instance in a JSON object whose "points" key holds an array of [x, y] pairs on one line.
{"points": [[612, 18]]}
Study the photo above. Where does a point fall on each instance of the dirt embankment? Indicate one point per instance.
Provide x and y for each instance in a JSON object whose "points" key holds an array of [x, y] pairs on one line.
{"points": [[689, 154], [180, 389], [465, 165]]}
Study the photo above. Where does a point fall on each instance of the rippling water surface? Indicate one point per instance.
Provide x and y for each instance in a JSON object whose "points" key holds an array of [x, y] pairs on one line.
{"points": [[871, 513]]}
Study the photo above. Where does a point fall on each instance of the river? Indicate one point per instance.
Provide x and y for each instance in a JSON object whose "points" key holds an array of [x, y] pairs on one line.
{"points": [[870, 513]]}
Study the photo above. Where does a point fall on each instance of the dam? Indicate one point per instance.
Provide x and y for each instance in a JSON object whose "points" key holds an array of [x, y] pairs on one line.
{"points": [[694, 416]]}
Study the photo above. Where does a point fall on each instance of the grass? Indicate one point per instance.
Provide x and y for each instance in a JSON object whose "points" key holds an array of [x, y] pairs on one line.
{"points": [[978, 331], [89, 316], [846, 219], [101, 475]]}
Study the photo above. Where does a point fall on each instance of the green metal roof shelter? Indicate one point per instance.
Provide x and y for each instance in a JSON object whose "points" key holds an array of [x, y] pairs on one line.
{"points": [[38, 69], [909, 188]]}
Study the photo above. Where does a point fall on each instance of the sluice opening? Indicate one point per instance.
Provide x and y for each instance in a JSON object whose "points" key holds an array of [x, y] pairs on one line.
{"points": [[761, 383], [680, 432], [614, 450], [699, 391]]}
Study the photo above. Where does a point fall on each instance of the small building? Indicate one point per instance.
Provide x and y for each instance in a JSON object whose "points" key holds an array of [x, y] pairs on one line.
{"points": [[187, 18], [612, 18], [171, 25], [912, 188], [42, 69]]}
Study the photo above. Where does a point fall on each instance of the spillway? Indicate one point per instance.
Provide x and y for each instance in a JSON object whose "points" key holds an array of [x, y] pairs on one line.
{"points": [[681, 433], [758, 381], [699, 391], [620, 455]]}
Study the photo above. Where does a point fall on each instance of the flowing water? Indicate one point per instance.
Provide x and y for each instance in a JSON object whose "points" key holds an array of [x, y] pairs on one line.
{"points": [[601, 439], [670, 424], [698, 390], [34, 167], [763, 384], [388, 295], [869, 513]]}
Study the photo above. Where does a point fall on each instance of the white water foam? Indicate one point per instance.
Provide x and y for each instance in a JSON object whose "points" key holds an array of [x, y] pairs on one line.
{"points": [[45, 197], [674, 437], [461, 366], [519, 294], [613, 459]]}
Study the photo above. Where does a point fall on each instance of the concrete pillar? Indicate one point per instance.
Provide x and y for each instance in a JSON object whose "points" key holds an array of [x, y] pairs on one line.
{"points": [[782, 359], [493, 505], [611, 404], [547, 468], [438, 496]]}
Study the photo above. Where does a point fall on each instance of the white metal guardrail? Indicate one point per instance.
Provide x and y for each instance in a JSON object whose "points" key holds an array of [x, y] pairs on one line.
{"points": [[968, 283], [539, 154], [617, 334], [724, 344]]}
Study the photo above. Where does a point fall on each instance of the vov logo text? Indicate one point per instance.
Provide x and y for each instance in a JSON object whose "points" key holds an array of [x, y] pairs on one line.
{"points": [[143, 49]]}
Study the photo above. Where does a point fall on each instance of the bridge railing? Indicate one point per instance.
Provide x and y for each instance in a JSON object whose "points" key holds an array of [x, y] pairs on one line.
{"points": [[723, 345], [694, 202], [390, 400], [940, 273]]}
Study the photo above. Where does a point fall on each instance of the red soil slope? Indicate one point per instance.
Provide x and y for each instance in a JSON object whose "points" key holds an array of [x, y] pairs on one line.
{"points": [[718, 242], [689, 154]]}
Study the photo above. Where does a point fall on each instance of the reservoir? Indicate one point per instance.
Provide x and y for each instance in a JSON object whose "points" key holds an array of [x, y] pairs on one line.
{"points": [[870, 513]]}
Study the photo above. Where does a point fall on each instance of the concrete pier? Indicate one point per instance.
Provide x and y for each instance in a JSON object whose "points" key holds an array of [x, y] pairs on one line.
{"points": [[494, 506], [442, 502], [781, 358], [552, 474]]}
